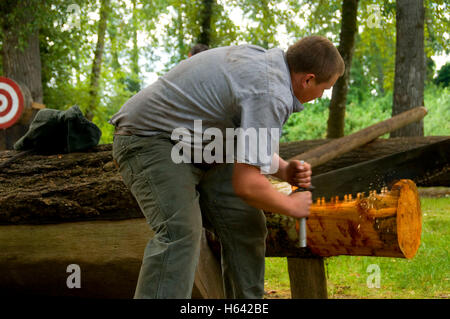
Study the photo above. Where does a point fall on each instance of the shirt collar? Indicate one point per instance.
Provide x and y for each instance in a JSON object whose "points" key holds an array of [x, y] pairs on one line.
{"points": [[297, 106]]}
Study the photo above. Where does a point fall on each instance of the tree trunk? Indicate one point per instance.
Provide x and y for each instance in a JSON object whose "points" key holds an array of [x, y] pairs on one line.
{"points": [[349, 29], [97, 63], [409, 63], [380, 71], [133, 80], [206, 17], [265, 23], [20, 49], [21, 62]]}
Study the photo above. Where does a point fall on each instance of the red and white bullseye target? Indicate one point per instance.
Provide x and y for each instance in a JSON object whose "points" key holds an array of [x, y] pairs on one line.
{"points": [[11, 102]]}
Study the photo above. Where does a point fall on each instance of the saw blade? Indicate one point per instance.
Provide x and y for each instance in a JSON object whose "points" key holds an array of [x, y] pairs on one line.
{"points": [[418, 164]]}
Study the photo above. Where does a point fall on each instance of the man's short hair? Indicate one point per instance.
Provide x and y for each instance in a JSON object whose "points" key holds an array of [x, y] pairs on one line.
{"points": [[199, 47], [317, 55]]}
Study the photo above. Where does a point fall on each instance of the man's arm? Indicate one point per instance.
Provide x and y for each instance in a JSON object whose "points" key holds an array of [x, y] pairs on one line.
{"points": [[256, 190]]}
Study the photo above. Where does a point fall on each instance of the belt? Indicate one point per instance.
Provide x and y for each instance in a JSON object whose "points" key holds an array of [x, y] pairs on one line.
{"points": [[122, 131]]}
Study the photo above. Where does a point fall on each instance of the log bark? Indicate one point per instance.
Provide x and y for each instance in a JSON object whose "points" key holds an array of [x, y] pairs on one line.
{"points": [[86, 186]]}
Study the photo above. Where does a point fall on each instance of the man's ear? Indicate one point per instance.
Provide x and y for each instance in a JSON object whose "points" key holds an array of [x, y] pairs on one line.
{"points": [[308, 78]]}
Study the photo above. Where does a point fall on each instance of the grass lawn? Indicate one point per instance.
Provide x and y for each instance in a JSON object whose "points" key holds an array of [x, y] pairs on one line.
{"points": [[427, 275]]}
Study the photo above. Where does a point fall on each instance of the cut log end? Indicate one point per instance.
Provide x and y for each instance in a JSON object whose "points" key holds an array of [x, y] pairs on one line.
{"points": [[409, 218], [387, 224]]}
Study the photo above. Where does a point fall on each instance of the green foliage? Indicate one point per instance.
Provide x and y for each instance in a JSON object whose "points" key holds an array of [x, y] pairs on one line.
{"points": [[365, 110], [263, 18], [141, 32], [184, 28], [443, 76], [311, 123], [375, 45], [437, 102], [437, 23], [25, 17], [67, 56]]}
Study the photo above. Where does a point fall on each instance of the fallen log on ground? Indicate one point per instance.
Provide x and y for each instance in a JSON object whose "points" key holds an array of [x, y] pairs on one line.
{"points": [[34, 259]]}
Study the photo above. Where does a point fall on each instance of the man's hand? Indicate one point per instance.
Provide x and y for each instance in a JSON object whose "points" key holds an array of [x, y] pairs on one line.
{"points": [[301, 203], [298, 174]]}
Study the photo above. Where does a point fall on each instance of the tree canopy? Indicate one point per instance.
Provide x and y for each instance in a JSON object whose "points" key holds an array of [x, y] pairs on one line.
{"points": [[144, 36]]}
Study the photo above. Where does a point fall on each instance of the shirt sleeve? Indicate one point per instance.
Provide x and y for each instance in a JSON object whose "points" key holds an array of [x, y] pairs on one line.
{"points": [[258, 137]]}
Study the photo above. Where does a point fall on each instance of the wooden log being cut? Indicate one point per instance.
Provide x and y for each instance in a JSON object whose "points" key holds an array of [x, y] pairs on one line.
{"points": [[387, 224]]}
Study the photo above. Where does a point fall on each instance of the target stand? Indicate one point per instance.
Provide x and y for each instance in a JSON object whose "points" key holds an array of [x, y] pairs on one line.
{"points": [[17, 110]]}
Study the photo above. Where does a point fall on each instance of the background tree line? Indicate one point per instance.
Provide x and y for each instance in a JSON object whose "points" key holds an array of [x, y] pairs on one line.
{"points": [[97, 53]]}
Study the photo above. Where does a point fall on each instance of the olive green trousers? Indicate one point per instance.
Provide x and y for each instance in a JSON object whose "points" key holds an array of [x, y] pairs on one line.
{"points": [[177, 200]]}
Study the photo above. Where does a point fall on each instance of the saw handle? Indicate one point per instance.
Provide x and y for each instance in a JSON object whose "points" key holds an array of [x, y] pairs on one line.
{"points": [[302, 221]]}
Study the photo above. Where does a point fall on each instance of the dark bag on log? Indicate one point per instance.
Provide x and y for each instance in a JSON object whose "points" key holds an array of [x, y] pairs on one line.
{"points": [[56, 131]]}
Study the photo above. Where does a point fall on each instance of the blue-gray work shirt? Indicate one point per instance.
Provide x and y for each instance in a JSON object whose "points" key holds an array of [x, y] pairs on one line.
{"points": [[230, 87]]}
